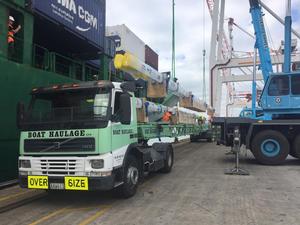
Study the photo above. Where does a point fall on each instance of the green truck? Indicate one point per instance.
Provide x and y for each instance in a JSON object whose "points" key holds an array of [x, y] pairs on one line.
{"points": [[85, 136]]}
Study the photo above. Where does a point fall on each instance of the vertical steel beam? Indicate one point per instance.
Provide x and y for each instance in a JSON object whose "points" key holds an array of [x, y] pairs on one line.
{"points": [[173, 42], [220, 57], [254, 85], [104, 69], [287, 38], [221, 30], [214, 34], [213, 48]]}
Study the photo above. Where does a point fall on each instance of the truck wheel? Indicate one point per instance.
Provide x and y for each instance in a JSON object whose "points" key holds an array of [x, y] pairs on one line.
{"points": [[270, 147], [295, 150], [193, 138], [131, 178], [169, 160], [209, 140]]}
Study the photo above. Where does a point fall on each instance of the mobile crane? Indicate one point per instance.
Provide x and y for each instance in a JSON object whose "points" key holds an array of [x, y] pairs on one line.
{"points": [[275, 132]]}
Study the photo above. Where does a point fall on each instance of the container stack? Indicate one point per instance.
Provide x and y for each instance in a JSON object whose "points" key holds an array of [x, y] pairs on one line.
{"points": [[126, 41], [151, 57]]}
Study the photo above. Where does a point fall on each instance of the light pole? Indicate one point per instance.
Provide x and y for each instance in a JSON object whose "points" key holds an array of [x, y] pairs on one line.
{"points": [[173, 42]]}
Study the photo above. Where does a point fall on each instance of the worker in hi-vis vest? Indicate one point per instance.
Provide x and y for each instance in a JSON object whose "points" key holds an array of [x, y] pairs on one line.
{"points": [[11, 34], [167, 117]]}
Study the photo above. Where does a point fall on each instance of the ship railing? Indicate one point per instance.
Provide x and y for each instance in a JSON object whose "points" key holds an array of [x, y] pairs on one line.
{"points": [[91, 73], [46, 60], [72, 68], [40, 57], [66, 66]]}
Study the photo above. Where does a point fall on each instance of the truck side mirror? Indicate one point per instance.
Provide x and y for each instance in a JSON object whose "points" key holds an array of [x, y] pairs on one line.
{"points": [[20, 114], [125, 109]]}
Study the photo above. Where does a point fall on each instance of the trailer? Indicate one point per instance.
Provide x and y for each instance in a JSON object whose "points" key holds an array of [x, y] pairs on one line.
{"points": [[85, 136]]}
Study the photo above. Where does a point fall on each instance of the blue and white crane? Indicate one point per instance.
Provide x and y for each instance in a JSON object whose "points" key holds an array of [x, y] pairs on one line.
{"points": [[275, 133], [279, 98]]}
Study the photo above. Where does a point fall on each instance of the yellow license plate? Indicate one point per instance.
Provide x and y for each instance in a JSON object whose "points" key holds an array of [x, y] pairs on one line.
{"points": [[77, 183], [38, 182]]}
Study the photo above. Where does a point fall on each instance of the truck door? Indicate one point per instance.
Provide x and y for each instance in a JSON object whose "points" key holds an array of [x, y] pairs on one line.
{"points": [[122, 134], [278, 92], [295, 91]]}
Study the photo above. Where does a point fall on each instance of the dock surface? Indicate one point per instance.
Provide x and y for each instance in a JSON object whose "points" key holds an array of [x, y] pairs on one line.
{"points": [[195, 192]]}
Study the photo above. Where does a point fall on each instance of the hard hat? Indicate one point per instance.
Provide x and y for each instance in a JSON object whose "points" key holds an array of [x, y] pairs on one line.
{"points": [[11, 18]]}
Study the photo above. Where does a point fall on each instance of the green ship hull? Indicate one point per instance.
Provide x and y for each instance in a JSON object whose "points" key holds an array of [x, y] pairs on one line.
{"points": [[30, 66], [16, 82]]}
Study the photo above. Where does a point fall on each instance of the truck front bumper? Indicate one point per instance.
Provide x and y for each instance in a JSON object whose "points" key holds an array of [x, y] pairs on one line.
{"points": [[94, 183]]}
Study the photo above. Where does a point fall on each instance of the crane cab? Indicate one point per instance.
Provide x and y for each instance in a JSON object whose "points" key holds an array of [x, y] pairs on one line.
{"points": [[281, 96]]}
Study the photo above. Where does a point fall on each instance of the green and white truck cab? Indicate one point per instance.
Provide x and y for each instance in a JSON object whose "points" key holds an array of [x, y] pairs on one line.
{"points": [[85, 137]]}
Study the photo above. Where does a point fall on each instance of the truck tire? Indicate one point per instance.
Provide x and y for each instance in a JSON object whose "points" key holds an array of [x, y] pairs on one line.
{"points": [[270, 147], [209, 139], [193, 138], [130, 179], [169, 160], [295, 150]]}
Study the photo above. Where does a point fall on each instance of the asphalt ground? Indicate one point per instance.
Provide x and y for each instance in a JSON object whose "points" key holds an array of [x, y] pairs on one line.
{"points": [[195, 192]]}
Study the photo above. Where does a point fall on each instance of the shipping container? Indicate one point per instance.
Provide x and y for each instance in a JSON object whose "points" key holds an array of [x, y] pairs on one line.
{"points": [[127, 41], [84, 18], [151, 57]]}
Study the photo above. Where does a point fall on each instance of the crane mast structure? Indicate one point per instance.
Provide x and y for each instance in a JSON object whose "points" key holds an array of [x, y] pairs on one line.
{"points": [[273, 131], [220, 51], [279, 98], [261, 42], [223, 58]]}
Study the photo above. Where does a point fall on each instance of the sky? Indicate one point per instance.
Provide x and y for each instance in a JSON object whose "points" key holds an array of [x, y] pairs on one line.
{"points": [[151, 20]]}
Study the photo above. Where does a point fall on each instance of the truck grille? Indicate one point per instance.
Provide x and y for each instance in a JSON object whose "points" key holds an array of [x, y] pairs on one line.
{"points": [[59, 145], [58, 167]]}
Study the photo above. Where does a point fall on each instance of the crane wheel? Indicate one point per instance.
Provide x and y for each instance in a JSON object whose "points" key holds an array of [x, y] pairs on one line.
{"points": [[270, 147], [295, 150]]}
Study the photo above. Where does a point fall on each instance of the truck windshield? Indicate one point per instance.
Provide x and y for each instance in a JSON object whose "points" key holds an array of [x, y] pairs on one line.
{"points": [[69, 106]]}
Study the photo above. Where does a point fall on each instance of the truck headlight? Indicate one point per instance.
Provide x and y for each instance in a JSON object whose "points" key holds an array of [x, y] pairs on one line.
{"points": [[97, 163], [24, 164]]}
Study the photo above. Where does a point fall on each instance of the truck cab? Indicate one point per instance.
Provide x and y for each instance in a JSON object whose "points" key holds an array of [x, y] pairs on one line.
{"points": [[83, 136]]}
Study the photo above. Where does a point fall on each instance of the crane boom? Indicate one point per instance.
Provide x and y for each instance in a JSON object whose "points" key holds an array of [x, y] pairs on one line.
{"points": [[261, 38]]}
